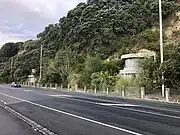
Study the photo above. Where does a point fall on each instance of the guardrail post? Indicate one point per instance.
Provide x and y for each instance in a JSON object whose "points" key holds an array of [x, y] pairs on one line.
{"points": [[46, 85], [85, 88], [50, 85], [123, 91], [107, 91], [76, 87], [142, 92], [56, 86], [167, 94], [61, 86], [95, 90], [116, 88], [68, 87], [37, 85]]}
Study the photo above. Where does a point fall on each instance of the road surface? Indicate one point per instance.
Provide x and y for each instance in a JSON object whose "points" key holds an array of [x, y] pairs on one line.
{"points": [[78, 114], [10, 125]]}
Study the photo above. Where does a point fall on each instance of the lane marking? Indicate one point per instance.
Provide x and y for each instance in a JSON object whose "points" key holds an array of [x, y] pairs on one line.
{"points": [[109, 104], [3, 102], [60, 95], [15, 102], [28, 90], [75, 116], [53, 88]]}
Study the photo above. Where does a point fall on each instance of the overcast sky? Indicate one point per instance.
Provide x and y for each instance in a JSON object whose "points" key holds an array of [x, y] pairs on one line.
{"points": [[23, 19]]}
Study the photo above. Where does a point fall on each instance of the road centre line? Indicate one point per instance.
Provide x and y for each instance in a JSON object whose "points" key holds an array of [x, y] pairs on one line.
{"points": [[73, 115]]}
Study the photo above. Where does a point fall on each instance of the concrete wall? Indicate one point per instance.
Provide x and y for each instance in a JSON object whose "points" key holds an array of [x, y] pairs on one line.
{"points": [[131, 63]]}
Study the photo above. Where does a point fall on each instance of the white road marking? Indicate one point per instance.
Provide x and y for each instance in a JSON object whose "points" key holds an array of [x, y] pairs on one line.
{"points": [[28, 90], [75, 116], [60, 95], [110, 104], [53, 88], [3, 102], [15, 102]]}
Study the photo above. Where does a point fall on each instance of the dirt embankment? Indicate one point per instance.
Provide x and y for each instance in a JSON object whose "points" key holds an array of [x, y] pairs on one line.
{"points": [[172, 31]]}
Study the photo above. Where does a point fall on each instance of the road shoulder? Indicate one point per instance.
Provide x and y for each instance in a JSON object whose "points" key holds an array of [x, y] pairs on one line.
{"points": [[10, 125]]}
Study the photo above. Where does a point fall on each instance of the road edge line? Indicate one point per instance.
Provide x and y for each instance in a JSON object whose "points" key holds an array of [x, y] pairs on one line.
{"points": [[34, 125]]}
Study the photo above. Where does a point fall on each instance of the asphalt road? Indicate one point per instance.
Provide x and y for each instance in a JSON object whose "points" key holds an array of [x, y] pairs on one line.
{"points": [[79, 114], [10, 125]]}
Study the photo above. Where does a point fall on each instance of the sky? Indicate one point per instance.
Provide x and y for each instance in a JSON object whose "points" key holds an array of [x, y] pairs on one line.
{"points": [[24, 19]]}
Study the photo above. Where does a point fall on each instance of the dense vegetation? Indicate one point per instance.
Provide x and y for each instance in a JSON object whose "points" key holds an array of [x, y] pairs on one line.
{"points": [[83, 48]]}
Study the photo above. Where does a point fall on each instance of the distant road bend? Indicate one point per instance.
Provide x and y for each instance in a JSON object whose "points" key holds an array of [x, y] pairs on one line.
{"points": [[78, 114]]}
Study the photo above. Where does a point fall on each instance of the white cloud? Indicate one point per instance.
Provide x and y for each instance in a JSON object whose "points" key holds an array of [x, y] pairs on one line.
{"points": [[20, 25], [4, 38], [23, 19]]}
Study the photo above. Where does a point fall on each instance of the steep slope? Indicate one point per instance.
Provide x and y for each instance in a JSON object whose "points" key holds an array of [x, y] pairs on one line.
{"points": [[172, 31]]}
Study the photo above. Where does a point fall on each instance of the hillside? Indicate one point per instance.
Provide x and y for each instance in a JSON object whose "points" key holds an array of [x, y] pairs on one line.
{"points": [[86, 37]]}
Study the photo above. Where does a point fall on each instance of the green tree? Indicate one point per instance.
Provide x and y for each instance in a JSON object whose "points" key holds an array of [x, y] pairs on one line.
{"points": [[171, 67]]}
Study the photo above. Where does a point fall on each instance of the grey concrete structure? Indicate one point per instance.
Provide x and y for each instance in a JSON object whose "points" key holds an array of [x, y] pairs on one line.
{"points": [[133, 61]]}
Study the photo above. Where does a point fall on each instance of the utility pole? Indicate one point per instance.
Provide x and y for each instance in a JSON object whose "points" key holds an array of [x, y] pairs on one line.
{"points": [[40, 71], [11, 62], [161, 43]]}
